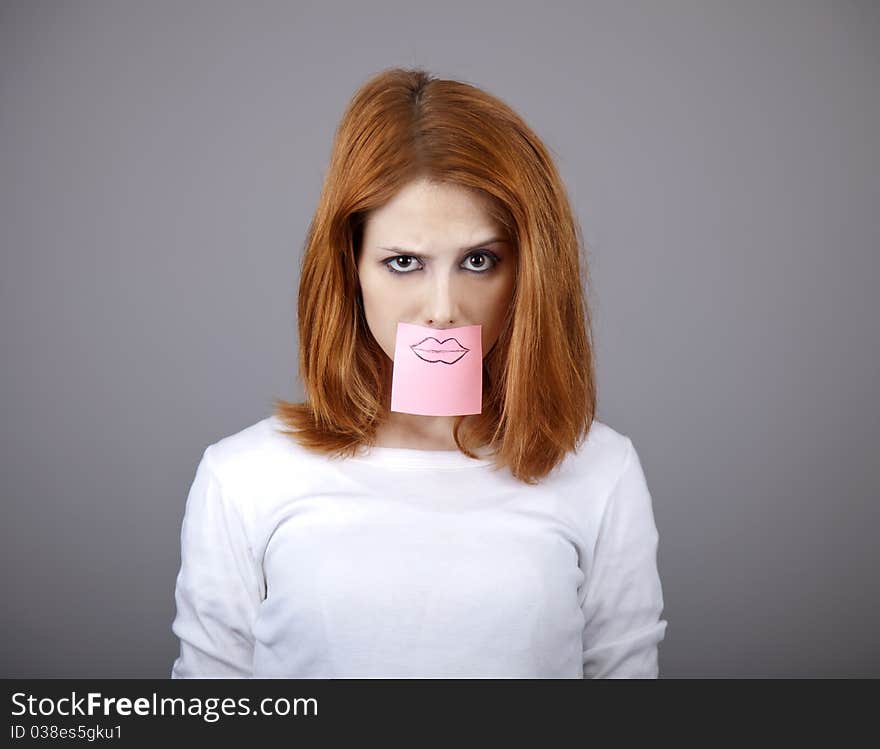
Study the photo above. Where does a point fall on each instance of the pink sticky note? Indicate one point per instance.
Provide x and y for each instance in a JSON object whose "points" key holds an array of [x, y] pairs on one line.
{"points": [[437, 372]]}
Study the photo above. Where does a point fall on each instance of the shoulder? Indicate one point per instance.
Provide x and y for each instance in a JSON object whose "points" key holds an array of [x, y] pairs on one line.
{"points": [[587, 479], [601, 435], [628, 502], [259, 458], [602, 455]]}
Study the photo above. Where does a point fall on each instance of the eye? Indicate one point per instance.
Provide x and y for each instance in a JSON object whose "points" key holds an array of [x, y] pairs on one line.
{"points": [[482, 266], [405, 264]]}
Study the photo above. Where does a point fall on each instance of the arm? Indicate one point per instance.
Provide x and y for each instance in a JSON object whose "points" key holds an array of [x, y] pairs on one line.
{"points": [[624, 599], [218, 588]]}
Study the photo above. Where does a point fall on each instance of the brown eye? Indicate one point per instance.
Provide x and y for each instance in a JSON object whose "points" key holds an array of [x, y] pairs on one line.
{"points": [[405, 267], [486, 261]]}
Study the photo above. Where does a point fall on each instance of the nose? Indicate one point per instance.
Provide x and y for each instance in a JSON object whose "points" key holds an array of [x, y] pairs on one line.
{"points": [[441, 310]]}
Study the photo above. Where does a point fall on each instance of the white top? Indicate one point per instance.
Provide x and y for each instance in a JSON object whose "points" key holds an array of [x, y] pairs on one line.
{"points": [[416, 563]]}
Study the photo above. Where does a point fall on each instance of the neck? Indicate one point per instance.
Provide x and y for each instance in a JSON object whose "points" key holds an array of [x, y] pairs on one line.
{"points": [[414, 430]]}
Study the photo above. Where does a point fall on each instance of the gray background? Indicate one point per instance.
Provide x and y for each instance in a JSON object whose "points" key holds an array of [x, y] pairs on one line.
{"points": [[161, 161]]}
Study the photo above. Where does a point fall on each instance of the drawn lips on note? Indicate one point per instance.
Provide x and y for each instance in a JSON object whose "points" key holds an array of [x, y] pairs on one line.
{"points": [[431, 350]]}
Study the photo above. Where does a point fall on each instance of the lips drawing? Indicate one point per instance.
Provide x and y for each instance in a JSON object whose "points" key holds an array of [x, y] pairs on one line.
{"points": [[431, 350]]}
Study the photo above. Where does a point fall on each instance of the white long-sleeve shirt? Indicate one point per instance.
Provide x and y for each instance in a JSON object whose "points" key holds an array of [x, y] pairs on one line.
{"points": [[416, 563]]}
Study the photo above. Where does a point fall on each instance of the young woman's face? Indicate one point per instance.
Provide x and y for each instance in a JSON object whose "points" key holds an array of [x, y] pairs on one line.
{"points": [[431, 257]]}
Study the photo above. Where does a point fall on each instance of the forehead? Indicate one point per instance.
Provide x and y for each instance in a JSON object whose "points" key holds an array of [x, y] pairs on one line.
{"points": [[432, 209]]}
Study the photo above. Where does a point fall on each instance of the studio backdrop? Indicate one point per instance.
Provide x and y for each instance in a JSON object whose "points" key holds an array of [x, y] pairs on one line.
{"points": [[161, 163]]}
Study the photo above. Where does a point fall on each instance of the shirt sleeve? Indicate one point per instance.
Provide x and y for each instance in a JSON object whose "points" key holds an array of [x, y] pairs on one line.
{"points": [[218, 589], [624, 600]]}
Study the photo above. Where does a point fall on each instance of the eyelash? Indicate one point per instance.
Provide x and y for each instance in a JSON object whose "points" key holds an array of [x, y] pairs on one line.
{"points": [[487, 253]]}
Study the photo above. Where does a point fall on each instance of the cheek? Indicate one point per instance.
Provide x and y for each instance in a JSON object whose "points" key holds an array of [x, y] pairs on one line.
{"points": [[383, 307], [381, 294], [496, 299], [373, 290], [494, 307]]}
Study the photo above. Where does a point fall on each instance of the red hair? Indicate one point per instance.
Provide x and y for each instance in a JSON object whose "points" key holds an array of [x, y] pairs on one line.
{"points": [[539, 388]]}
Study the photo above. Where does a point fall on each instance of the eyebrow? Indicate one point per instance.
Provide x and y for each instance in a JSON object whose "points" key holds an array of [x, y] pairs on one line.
{"points": [[404, 251]]}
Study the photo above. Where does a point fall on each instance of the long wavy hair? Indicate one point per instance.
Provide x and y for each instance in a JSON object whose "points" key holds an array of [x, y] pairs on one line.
{"points": [[539, 386]]}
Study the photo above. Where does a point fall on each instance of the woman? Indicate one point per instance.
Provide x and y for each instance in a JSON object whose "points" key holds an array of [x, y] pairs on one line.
{"points": [[349, 536]]}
